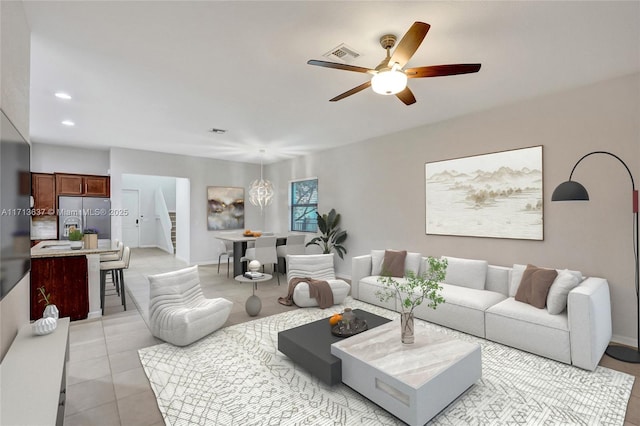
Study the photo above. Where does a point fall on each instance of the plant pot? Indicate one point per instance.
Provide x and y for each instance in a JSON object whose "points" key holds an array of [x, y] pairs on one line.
{"points": [[51, 311], [75, 245], [406, 328], [90, 241]]}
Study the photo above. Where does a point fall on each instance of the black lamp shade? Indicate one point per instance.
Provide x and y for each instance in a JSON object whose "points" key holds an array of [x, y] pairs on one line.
{"points": [[570, 191]]}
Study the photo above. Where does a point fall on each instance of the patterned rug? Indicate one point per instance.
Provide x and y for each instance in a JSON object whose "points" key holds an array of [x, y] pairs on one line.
{"points": [[236, 376]]}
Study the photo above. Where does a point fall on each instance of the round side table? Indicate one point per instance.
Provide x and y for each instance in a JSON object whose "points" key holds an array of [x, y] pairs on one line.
{"points": [[253, 303]]}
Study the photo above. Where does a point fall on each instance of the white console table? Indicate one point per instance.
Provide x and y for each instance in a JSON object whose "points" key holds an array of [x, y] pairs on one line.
{"points": [[33, 378]]}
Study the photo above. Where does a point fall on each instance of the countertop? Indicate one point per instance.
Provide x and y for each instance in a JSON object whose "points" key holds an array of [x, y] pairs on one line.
{"points": [[53, 248]]}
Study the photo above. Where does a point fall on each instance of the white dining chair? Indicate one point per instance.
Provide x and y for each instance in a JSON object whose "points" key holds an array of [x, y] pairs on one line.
{"points": [[225, 248], [293, 246], [264, 252]]}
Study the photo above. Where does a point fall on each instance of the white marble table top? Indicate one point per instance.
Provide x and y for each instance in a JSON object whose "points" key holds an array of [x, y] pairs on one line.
{"points": [[413, 364]]}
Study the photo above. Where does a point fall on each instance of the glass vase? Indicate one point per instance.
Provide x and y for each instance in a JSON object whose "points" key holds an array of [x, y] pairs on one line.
{"points": [[406, 327]]}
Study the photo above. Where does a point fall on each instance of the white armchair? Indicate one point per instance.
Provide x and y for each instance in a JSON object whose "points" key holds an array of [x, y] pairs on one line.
{"points": [[178, 311], [316, 266]]}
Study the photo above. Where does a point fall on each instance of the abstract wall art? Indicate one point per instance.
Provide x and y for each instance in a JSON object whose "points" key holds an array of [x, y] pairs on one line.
{"points": [[225, 208], [497, 195]]}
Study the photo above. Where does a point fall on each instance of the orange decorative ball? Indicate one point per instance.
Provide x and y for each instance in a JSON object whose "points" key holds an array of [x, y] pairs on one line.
{"points": [[334, 319]]}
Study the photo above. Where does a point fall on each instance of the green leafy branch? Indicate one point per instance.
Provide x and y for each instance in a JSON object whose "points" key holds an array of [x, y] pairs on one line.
{"points": [[414, 289], [44, 297]]}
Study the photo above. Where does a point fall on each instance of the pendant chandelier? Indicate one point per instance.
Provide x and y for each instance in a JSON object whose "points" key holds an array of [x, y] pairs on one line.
{"points": [[261, 190]]}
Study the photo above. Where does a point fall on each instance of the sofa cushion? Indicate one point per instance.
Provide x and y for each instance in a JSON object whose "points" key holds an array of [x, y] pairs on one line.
{"points": [[562, 285], [377, 256], [535, 285], [369, 287], [516, 277], [523, 312], [470, 273], [393, 263], [412, 262]]}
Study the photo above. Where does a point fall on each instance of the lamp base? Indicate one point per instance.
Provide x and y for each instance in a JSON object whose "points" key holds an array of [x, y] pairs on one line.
{"points": [[623, 353]]}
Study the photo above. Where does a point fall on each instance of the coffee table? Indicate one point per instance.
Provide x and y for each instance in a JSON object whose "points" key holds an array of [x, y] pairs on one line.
{"points": [[309, 346], [253, 303], [413, 382]]}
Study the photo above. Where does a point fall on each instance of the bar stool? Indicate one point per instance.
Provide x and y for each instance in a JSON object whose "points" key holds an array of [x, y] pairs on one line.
{"points": [[116, 267], [110, 257]]}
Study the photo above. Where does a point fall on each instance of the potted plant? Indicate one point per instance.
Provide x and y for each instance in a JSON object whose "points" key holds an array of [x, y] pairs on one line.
{"points": [[332, 236], [412, 291], [90, 238], [50, 310], [75, 236]]}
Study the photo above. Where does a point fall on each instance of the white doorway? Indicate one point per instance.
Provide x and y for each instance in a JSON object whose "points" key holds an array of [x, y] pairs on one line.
{"points": [[131, 221]]}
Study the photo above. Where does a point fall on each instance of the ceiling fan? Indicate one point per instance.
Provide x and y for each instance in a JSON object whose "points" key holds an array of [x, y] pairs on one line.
{"points": [[389, 77]]}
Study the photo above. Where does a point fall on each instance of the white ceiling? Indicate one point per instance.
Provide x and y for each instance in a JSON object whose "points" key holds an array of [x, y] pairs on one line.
{"points": [[158, 75]]}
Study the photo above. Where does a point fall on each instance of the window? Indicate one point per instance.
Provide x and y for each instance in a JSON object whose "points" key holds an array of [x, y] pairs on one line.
{"points": [[304, 205]]}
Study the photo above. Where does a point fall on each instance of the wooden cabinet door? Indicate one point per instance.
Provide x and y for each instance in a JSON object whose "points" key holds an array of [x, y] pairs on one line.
{"points": [[69, 184], [65, 279], [96, 186], [43, 189]]}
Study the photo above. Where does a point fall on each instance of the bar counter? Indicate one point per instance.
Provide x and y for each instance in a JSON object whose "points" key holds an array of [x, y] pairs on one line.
{"points": [[71, 277]]}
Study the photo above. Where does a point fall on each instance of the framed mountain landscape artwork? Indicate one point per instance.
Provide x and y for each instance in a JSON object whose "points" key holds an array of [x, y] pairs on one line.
{"points": [[497, 195]]}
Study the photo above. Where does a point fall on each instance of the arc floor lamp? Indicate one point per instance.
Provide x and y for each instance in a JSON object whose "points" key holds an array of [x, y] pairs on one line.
{"points": [[574, 191]]}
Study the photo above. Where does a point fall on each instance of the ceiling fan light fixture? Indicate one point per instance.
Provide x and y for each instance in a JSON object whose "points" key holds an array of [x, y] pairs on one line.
{"points": [[389, 82]]}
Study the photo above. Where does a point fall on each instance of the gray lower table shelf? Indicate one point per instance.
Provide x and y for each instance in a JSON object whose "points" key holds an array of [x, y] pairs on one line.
{"points": [[309, 346]]}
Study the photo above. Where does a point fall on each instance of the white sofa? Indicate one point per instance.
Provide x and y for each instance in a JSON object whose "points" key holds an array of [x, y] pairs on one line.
{"points": [[479, 300]]}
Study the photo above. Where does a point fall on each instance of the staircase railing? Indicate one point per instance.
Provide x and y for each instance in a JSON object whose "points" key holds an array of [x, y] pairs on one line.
{"points": [[163, 223]]}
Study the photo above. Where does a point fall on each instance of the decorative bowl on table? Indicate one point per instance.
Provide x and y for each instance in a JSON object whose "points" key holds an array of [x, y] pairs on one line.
{"points": [[358, 325]]}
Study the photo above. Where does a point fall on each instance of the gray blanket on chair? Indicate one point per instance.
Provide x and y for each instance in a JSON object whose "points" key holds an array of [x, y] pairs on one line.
{"points": [[318, 289]]}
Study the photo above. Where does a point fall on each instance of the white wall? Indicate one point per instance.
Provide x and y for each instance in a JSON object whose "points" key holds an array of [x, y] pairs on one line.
{"points": [[49, 158], [200, 172], [183, 220], [146, 187], [15, 39], [378, 185]]}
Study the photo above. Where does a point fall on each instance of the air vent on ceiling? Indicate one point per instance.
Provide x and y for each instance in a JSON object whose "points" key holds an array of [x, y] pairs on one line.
{"points": [[342, 53]]}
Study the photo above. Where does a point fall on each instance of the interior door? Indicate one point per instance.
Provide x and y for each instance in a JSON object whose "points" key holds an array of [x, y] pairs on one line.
{"points": [[131, 221]]}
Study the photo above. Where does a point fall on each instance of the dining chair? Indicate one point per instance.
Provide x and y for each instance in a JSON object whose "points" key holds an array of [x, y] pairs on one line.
{"points": [[225, 248], [264, 252], [293, 246]]}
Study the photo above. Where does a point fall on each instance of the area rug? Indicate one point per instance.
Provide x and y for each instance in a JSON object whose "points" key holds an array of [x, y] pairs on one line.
{"points": [[236, 376]]}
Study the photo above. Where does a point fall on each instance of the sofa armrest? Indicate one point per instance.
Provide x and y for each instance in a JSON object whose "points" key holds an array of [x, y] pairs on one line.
{"points": [[589, 311], [360, 268]]}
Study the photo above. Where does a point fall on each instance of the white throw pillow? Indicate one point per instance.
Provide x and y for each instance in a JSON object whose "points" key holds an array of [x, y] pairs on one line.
{"points": [[377, 257], [559, 291], [468, 273], [412, 263], [516, 277]]}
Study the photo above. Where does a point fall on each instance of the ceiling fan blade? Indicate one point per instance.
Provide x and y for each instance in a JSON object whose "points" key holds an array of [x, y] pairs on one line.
{"points": [[409, 43], [338, 66], [352, 91], [441, 70], [406, 96]]}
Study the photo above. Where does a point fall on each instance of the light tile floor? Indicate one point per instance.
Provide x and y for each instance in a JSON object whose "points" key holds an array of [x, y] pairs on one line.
{"points": [[106, 383]]}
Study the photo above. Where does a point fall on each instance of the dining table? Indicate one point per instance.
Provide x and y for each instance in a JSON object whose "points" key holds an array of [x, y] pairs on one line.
{"points": [[240, 246]]}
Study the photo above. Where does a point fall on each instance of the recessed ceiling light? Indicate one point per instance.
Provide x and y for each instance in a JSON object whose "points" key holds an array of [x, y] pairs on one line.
{"points": [[217, 131], [68, 123], [62, 95]]}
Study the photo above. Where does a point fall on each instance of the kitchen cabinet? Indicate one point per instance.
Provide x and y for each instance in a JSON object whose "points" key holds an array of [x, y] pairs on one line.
{"points": [[43, 190], [84, 185], [65, 279]]}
